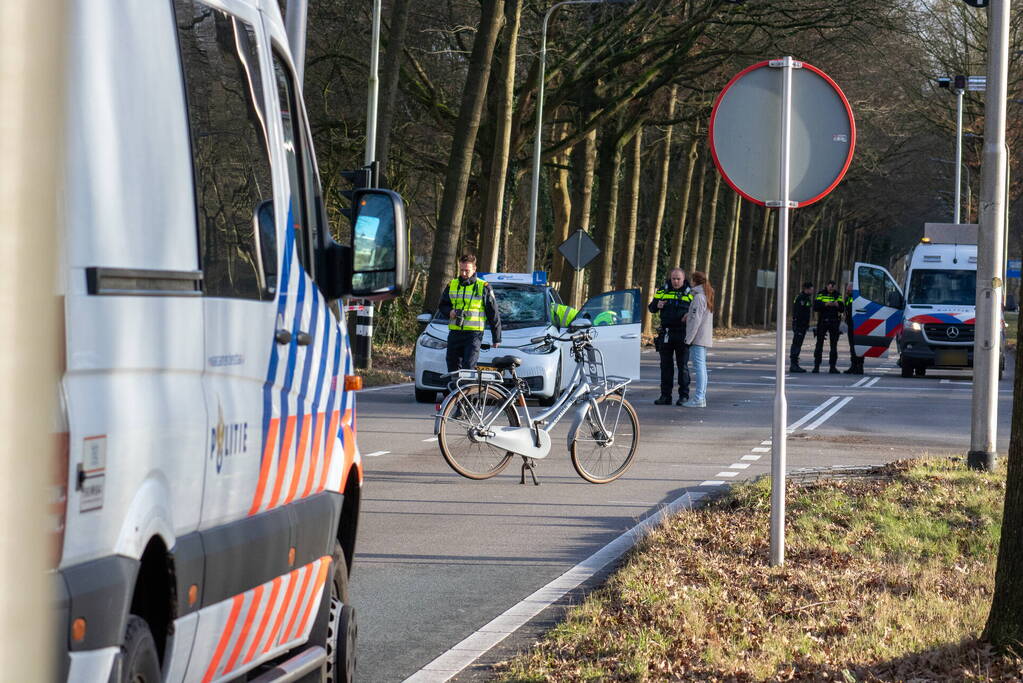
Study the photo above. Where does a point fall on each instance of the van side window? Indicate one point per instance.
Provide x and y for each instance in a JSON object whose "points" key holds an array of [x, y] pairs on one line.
{"points": [[295, 154], [230, 152]]}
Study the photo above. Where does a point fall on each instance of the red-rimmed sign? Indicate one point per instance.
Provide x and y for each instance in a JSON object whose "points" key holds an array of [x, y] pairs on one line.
{"points": [[745, 140]]}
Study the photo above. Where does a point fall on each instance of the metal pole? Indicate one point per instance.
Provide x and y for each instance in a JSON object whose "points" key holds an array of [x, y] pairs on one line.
{"points": [[990, 244], [295, 24], [374, 88], [33, 36], [778, 440], [959, 155]]}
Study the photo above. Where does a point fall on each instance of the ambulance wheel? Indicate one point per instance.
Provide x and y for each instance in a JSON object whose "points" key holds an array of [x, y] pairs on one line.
{"points": [[341, 627], [139, 660], [907, 368], [425, 396]]}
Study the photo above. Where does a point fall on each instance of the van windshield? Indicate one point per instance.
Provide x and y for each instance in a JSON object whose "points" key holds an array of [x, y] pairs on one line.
{"points": [[943, 287]]}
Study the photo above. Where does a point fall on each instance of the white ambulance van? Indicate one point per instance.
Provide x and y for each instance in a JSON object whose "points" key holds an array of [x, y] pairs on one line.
{"points": [[932, 316], [209, 477]]}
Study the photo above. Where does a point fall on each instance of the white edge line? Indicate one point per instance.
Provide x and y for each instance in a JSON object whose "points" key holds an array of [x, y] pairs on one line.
{"points": [[474, 646], [823, 418], [389, 386], [809, 416]]}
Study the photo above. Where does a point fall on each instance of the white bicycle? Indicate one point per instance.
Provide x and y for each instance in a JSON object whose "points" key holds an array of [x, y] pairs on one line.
{"points": [[479, 427]]}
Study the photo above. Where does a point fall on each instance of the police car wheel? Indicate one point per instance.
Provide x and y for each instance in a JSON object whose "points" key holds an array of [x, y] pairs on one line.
{"points": [[425, 395], [139, 660], [341, 626]]}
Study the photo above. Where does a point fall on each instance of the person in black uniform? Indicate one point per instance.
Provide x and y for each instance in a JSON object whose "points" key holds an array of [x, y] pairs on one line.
{"points": [[801, 309], [672, 302], [855, 362], [468, 303], [829, 307]]}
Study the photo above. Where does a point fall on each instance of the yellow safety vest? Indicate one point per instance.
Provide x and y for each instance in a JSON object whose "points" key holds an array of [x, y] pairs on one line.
{"points": [[469, 300], [672, 295], [563, 315]]}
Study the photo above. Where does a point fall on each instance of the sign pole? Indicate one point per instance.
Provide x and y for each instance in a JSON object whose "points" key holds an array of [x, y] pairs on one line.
{"points": [[781, 292]]}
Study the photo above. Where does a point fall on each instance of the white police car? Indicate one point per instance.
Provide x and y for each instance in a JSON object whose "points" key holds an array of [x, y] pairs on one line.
{"points": [[525, 314]]}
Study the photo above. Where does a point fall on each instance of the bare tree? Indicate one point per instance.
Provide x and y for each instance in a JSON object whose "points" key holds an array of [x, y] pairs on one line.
{"points": [[628, 250]]}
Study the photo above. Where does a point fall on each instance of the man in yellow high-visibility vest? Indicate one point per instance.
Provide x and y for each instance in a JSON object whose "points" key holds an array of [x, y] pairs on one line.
{"points": [[469, 305]]}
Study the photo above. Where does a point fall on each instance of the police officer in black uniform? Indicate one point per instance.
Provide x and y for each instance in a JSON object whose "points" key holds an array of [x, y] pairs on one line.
{"points": [[829, 306], [672, 301], [801, 309], [855, 362], [468, 303]]}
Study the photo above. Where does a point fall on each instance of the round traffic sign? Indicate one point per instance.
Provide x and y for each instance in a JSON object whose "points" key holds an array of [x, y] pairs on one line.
{"points": [[745, 135]]}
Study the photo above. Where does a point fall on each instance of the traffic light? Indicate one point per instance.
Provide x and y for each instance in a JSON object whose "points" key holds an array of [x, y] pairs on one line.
{"points": [[976, 3], [360, 178]]}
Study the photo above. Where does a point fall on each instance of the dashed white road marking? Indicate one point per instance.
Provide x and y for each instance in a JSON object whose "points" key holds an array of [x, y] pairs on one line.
{"points": [[751, 457], [432, 438], [727, 474], [739, 466], [712, 482], [810, 415], [871, 382], [375, 454], [760, 449]]}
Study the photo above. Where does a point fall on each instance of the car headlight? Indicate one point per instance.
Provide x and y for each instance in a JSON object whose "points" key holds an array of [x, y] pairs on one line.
{"points": [[432, 342], [539, 349], [916, 327]]}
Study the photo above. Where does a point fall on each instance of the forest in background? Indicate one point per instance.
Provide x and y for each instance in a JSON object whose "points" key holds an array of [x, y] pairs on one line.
{"points": [[628, 92]]}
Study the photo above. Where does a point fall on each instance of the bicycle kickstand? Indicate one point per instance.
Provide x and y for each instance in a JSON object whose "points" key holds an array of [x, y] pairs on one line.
{"points": [[528, 464]]}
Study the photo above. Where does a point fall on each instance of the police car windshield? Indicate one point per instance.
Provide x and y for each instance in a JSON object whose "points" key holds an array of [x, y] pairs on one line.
{"points": [[943, 287]]}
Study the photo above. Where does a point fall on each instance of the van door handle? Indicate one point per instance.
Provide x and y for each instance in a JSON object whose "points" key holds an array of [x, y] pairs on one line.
{"points": [[630, 336], [282, 336], [303, 339], [861, 310]]}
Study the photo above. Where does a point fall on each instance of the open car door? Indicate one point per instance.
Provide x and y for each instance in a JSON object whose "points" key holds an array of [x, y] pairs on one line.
{"points": [[877, 309], [617, 317]]}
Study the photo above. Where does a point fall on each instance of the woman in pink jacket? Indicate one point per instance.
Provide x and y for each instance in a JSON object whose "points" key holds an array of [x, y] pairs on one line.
{"points": [[700, 335]]}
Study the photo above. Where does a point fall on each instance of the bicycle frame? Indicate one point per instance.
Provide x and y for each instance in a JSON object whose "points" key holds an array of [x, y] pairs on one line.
{"points": [[533, 440]]}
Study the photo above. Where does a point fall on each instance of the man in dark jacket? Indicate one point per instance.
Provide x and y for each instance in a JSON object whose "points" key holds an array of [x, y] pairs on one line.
{"points": [[672, 302], [468, 303], [801, 309], [829, 306]]}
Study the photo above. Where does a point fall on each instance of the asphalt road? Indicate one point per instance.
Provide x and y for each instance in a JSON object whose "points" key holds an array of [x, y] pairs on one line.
{"points": [[438, 556]]}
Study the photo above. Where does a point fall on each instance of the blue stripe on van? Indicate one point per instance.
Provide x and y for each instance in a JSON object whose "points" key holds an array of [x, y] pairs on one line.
{"points": [[282, 298]]}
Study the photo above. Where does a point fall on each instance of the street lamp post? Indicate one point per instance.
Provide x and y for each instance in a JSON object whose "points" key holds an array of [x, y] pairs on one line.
{"points": [[534, 197], [960, 84]]}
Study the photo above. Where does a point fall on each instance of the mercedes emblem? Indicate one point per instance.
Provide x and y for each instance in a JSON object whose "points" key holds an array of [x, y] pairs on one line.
{"points": [[952, 332]]}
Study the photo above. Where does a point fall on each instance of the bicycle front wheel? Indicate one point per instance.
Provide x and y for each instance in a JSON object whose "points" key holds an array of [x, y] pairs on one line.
{"points": [[463, 419], [602, 456]]}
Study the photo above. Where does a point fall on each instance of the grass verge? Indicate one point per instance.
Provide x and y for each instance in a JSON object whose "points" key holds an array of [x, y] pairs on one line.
{"points": [[392, 364], [886, 579]]}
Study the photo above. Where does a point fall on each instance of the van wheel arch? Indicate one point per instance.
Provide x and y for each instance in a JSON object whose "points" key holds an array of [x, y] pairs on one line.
{"points": [[154, 597]]}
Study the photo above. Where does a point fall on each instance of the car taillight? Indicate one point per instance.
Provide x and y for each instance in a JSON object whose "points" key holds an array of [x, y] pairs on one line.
{"points": [[58, 496]]}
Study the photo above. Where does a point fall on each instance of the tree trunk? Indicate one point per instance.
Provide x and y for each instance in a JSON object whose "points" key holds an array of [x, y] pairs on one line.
{"points": [[694, 246], [628, 252], [1004, 627], [747, 269], [584, 159], [389, 84], [449, 223], [490, 228], [724, 280], [675, 258], [609, 164], [708, 249], [561, 202], [735, 262], [653, 241]]}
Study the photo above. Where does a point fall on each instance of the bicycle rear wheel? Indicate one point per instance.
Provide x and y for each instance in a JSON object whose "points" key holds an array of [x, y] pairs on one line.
{"points": [[599, 459], [461, 448]]}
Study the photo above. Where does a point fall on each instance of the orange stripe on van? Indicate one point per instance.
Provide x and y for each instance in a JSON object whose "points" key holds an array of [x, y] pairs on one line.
{"points": [[236, 607], [329, 450], [264, 469], [321, 578], [282, 466], [293, 579], [275, 589], [303, 441], [316, 453], [299, 603], [257, 597]]}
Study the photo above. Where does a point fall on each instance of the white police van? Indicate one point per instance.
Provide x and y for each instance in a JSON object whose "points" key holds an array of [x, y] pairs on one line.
{"points": [[932, 316], [209, 477]]}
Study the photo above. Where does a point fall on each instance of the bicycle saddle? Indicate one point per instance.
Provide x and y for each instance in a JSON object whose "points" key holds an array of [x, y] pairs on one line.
{"points": [[504, 362]]}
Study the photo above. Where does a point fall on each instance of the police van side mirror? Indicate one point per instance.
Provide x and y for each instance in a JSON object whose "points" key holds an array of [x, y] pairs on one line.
{"points": [[379, 252], [895, 300]]}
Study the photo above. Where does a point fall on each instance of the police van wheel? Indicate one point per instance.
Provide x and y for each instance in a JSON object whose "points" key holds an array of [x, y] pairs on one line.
{"points": [[907, 368], [341, 626], [425, 396], [139, 660]]}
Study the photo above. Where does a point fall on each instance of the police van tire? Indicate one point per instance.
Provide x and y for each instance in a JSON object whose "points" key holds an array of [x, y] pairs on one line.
{"points": [[425, 395], [907, 368], [139, 661], [342, 629]]}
